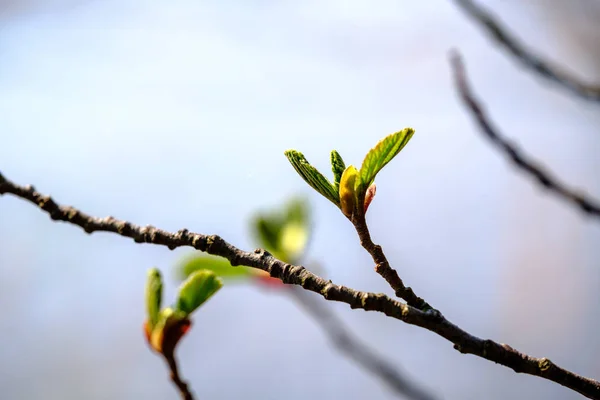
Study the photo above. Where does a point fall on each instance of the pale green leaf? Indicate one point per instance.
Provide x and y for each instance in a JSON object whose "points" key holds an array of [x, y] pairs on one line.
{"points": [[383, 153], [267, 228], [293, 241], [284, 232], [153, 296], [297, 210], [295, 234], [219, 265]]}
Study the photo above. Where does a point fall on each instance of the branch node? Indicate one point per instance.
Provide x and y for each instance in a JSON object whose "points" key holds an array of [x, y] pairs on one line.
{"points": [[405, 311], [459, 348], [198, 243], [210, 241], [183, 236], [326, 289], [544, 364]]}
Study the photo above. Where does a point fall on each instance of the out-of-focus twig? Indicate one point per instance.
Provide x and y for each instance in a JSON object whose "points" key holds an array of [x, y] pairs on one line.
{"points": [[431, 320], [181, 385], [515, 154], [171, 336], [356, 350], [525, 56]]}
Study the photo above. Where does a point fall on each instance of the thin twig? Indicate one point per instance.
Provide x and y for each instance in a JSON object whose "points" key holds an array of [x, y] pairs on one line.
{"points": [[357, 351], [517, 156], [181, 385], [431, 320], [382, 266], [526, 57]]}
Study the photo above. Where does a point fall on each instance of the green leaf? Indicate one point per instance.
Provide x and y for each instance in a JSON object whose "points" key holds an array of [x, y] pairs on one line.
{"points": [[295, 234], [284, 232], [219, 265], [293, 241], [267, 229], [297, 210], [196, 289], [338, 167], [153, 296], [383, 153], [314, 178]]}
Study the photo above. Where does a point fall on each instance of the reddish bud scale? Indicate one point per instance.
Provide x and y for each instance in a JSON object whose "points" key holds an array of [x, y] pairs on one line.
{"points": [[369, 195], [269, 282], [172, 335], [147, 333]]}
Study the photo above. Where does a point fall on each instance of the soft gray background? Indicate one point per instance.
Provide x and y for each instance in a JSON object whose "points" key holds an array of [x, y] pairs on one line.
{"points": [[177, 113]]}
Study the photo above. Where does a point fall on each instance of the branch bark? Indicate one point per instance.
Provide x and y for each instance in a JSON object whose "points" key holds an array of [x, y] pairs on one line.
{"points": [[517, 156], [181, 385], [526, 57], [383, 267], [431, 320]]}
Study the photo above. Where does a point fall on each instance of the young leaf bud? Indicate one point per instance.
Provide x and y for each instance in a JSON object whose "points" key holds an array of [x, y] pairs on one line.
{"points": [[348, 191]]}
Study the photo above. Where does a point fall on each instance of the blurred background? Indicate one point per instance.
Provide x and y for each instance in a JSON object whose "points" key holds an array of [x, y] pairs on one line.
{"points": [[177, 115]]}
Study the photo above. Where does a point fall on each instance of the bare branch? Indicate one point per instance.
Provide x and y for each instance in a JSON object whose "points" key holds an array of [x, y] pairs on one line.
{"points": [[357, 351], [431, 320], [526, 57], [383, 267], [184, 391], [519, 159]]}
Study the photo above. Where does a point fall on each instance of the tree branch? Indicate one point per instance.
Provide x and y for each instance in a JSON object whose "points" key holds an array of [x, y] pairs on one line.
{"points": [[517, 156], [526, 57], [184, 391], [431, 320], [383, 267], [357, 351]]}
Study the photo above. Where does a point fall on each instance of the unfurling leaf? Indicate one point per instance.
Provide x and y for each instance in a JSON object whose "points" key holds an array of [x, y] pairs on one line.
{"points": [[338, 167], [219, 265], [314, 178], [153, 296], [383, 153], [348, 195], [196, 289]]}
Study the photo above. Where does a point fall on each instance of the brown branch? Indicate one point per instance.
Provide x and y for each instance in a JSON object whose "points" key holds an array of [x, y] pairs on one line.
{"points": [[184, 391], [383, 267], [517, 156], [297, 275], [526, 57], [357, 351]]}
